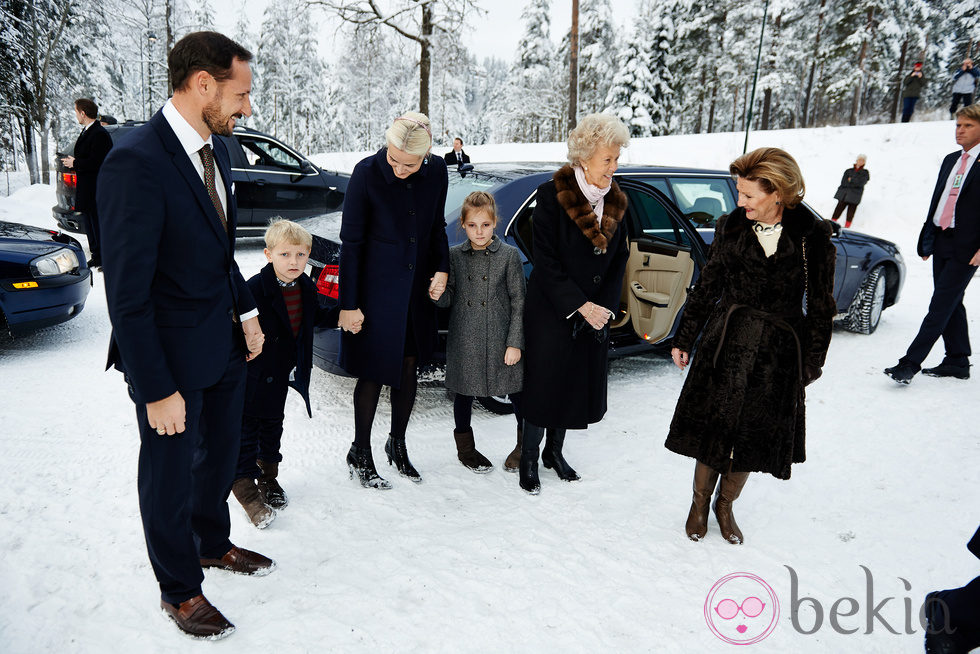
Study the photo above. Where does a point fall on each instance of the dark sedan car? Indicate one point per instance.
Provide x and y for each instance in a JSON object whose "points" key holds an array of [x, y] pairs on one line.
{"points": [[43, 278], [271, 179], [671, 218]]}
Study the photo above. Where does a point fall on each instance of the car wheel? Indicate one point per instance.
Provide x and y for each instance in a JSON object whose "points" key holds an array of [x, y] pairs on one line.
{"points": [[864, 314], [499, 404]]}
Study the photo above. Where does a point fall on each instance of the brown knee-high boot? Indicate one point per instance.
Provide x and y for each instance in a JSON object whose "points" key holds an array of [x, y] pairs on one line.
{"points": [[705, 478], [728, 491]]}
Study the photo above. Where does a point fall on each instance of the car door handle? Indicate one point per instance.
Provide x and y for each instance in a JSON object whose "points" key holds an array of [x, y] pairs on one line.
{"points": [[260, 182]]}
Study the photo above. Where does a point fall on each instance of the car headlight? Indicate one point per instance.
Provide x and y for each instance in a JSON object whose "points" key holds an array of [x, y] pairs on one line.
{"points": [[57, 263]]}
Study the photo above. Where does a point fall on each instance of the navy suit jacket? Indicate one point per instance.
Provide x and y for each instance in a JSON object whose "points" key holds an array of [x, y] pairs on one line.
{"points": [[172, 284], [966, 215]]}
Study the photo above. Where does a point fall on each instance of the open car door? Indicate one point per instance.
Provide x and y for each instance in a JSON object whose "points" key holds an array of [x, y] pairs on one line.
{"points": [[666, 252]]}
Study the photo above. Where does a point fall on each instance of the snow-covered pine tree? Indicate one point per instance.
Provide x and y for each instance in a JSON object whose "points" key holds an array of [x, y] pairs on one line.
{"points": [[597, 55]]}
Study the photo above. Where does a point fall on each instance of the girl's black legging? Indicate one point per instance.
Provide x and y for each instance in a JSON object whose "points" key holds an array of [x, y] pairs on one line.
{"points": [[463, 410], [366, 395]]}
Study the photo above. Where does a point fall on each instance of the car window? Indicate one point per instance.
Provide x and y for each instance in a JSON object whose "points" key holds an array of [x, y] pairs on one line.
{"points": [[268, 154], [523, 231], [703, 199], [656, 182], [653, 220], [460, 187]]}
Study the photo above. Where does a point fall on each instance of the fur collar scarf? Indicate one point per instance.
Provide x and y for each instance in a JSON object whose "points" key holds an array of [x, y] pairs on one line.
{"points": [[573, 201]]}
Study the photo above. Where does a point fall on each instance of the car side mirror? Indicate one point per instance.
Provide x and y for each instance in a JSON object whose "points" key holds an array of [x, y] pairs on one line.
{"points": [[306, 167], [835, 226]]}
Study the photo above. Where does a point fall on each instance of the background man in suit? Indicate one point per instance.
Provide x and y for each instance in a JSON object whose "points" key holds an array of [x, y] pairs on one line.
{"points": [[456, 156], [91, 148], [952, 234], [182, 317]]}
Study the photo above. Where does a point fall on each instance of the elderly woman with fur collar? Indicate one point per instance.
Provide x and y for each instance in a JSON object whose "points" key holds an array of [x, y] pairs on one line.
{"points": [[579, 253], [764, 308]]}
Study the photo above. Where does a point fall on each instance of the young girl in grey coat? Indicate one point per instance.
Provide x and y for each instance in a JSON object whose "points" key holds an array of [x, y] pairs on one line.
{"points": [[485, 294]]}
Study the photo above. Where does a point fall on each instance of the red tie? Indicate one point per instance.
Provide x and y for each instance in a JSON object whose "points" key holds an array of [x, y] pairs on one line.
{"points": [[946, 219]]}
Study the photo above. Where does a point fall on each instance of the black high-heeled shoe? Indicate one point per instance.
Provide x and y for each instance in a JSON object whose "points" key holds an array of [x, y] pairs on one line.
{"points": [[398, 457], [552, 457], [361, 462]]}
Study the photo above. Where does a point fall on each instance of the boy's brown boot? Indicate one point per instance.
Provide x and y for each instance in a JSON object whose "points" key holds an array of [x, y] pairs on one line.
{"points": [[247, 494], [467, 453], [269, 486]]}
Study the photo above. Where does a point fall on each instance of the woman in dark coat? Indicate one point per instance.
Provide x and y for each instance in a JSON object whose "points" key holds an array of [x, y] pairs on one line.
{"points": [[573, 291], [394, 256], [851, 189], [762, 340]]}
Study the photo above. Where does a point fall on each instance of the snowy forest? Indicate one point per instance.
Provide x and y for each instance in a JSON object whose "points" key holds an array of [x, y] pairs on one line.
{"points": [[679, 66]]}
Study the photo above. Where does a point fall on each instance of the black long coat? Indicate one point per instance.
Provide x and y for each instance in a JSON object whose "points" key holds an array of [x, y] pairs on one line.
{"points": [[282, 353], [565, 375], [852, 183], [90, 151], [742, 405], [393, 239]]}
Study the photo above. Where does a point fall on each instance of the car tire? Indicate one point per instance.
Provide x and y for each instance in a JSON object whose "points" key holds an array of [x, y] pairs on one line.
{"points": [[499, 404], [864, 314]]}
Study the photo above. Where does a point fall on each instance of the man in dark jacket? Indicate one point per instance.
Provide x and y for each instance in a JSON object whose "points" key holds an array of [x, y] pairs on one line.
{"points": [[951, 233], [456, 156], [912, 89], [964, 85], [953, 616], [91, 148]]}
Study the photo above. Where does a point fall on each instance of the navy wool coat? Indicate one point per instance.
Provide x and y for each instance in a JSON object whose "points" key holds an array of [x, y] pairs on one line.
{"points": [[393, 239], [269, 373], [574, 262]]}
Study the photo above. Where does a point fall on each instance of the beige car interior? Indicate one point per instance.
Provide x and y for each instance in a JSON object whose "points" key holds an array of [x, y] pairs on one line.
{"points": [[654, 289]]}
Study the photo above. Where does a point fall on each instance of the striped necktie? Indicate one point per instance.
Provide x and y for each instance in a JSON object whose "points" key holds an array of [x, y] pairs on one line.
{"points": [[207, 157]]}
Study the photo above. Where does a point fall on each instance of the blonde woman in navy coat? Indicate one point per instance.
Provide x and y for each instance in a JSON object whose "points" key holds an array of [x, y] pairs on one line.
{"points": [[394, 257]]}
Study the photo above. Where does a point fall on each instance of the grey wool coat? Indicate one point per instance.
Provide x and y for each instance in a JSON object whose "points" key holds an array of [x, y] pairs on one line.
{"points": [[485, 294]]}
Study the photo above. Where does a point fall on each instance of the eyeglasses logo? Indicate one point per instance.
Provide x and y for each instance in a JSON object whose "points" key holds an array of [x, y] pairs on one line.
{"points": [[739, 593]]}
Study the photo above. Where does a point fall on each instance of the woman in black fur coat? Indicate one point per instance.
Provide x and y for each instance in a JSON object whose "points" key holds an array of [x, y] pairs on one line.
{"points": [[761, 340], [573, 290]]}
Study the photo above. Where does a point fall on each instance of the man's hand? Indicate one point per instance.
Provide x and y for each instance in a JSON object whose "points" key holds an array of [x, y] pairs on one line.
{"points": [[438, 285], [975, 261], [254, 338], [925, 258], [351, 320], [512, 355], [68, 161], [167, 415]]}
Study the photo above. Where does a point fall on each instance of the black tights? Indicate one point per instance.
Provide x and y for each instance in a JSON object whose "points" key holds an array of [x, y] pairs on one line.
{"points": [[463, 410], [839, 209], [366, 395]]}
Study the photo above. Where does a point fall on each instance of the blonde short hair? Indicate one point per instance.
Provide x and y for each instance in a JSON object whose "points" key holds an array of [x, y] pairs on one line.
{"points": [[775, 171], [286, 231], [475, 201], [412, 133], [593, 131], [971, 112]]}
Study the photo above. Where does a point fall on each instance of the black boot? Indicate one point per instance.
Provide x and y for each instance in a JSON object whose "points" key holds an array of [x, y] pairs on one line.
{"points": [[529, 458], [551, 456], [398, 457], [269, 486], [361, 462]]}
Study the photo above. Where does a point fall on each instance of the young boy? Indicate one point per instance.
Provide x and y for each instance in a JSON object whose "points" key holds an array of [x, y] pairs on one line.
{"points": [[288, 310]]}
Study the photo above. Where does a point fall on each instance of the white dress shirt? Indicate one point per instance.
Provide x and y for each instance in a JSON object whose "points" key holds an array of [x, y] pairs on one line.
{"points": [[192, 143], [973, 152]]}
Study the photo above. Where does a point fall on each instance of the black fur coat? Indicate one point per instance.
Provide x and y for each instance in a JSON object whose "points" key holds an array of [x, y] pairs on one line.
{"points": [[742, 405]]}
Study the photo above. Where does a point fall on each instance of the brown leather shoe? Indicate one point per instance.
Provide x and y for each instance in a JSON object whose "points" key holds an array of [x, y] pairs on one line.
{"points": [[705, 479], [729, 489], [198, 618], [513, 461], [243, 562]]}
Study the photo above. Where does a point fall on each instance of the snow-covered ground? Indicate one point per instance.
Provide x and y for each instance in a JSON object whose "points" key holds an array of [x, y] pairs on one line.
{"points": [[469, 563]]}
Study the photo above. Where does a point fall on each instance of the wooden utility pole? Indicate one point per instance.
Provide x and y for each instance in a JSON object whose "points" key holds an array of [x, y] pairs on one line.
{"points": [[573, 69]]}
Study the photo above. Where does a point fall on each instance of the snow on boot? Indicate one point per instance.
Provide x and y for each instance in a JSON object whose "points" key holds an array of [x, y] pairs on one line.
{"points": [[269, 487], [247, 494], [398, 457], [467, 453], [361, 462]]}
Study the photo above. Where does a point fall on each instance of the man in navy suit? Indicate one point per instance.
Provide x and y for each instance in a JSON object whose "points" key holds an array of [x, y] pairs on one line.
{"points": [[182, 318], [951, 235], [91, 148]]}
